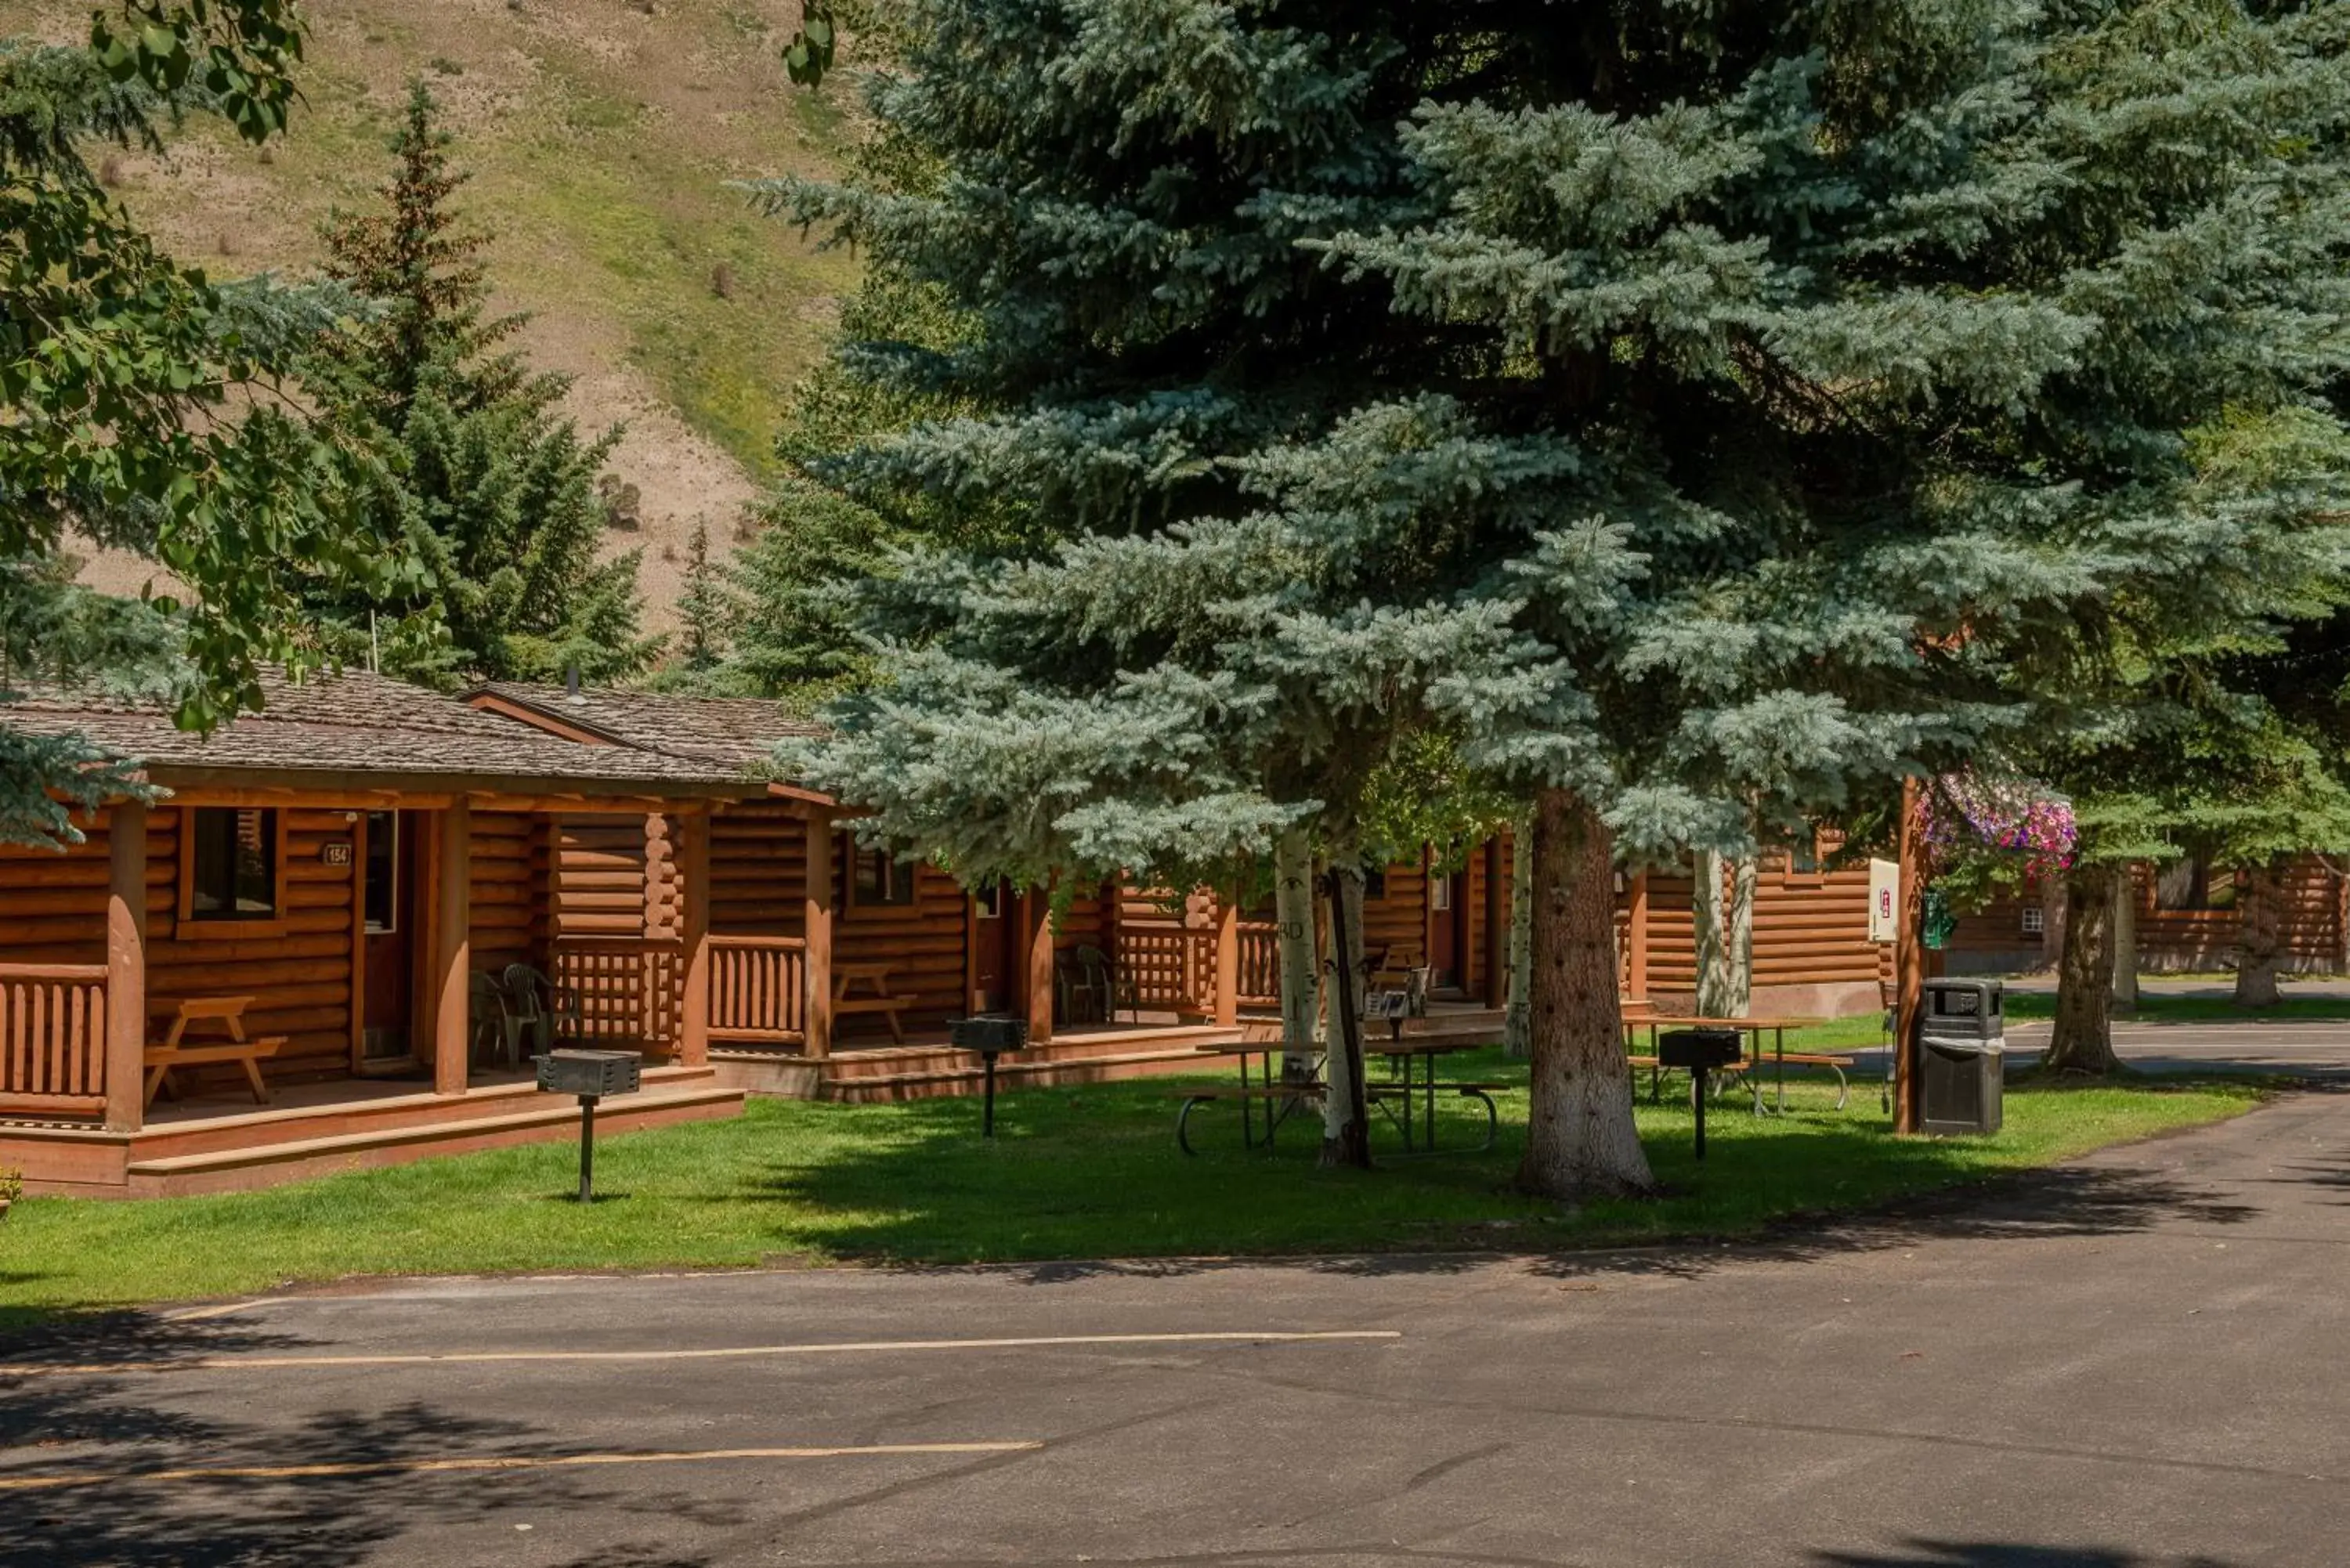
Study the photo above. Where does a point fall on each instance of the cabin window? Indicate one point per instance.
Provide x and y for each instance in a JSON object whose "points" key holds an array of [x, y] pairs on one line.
{"points": [[1803, 858], [1439, 895], [232, 864], [2035, 921], [878, 879], [2193, 884], [988, 897], [1375, 884], [381, 880]]}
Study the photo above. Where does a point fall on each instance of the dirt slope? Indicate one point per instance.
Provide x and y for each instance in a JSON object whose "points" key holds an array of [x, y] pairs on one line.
{"points": [[600, 134]]}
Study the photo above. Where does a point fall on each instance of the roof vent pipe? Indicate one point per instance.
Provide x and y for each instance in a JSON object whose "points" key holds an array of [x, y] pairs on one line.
{"points": [[571, 683]]}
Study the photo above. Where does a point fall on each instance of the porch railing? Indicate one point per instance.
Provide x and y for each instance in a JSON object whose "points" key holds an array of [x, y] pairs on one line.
{"points": [[1169, 968], [1259, 984], [758, 990], [52, 1038], [628, 990]]}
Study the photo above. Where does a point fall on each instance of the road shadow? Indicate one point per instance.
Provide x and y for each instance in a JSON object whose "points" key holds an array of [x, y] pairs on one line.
{"points": [[1917, 1554], [1077, 1172], [111, 1452]]}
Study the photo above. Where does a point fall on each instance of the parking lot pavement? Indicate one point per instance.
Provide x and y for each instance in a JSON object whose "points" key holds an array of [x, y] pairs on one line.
{"points": [[2131, 1361]]}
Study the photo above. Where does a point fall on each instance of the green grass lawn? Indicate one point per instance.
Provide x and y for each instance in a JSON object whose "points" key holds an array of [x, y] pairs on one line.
{"points": [[2154, 1007], [1079, 1172]]}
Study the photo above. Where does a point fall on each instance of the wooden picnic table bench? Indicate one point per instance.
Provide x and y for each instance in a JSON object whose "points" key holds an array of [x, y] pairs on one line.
{"points": [[176, 1050], [846, 976]]}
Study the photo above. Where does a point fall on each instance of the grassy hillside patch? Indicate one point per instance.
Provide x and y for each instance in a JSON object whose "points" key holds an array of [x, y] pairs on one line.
{"points": [[1079, 1172]]}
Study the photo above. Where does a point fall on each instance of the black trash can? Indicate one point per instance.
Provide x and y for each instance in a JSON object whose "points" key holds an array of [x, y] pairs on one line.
{"points": [[1961, 1056]]}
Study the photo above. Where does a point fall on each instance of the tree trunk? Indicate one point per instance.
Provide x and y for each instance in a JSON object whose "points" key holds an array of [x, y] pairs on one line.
{"points": [[1346, 1120], [1580, 1138], [2125, 940], [1292, 909], [1516, 1023], [2051, 920], [2083, 1041], [1743, 874], [1711, 927], [2260, 901]]}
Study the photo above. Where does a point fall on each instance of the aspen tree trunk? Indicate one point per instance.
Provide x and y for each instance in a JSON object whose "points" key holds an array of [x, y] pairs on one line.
{"points": [[1517, 1023], [2125, 921], [1711, 927], [1580, 1139], [1346, 1121], [2260, 899], [2082, 1039], [1743, 875], [1292, 908]]}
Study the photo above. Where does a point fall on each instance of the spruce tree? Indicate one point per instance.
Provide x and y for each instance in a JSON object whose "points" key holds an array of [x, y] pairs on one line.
{"points": [[1704, 414], [494, 491], [701, 608], [140, 403]]}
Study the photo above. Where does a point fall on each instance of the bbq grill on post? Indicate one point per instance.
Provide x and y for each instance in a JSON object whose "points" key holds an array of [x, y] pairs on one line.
{"points": [[590, 1075], [990, 1034], [1698, 1052]]}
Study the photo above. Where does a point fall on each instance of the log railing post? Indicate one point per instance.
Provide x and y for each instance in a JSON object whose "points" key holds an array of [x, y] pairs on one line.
{"points": [[126, 966], [818, 930], [1037, 952], [1495, 957], [1228, 961], [694, 1019], [452, 914], [1635, 939]]}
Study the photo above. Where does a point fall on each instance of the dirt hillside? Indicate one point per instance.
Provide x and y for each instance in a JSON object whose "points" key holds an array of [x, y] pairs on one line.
{"points": [[600, 135]]}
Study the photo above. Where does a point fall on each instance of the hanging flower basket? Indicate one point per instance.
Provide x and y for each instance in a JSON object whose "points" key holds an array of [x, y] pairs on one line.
{"points": [[1968, 814]]}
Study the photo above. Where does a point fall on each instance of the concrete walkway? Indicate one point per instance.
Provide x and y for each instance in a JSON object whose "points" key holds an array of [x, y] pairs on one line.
{"points": [[2135, 1360]]}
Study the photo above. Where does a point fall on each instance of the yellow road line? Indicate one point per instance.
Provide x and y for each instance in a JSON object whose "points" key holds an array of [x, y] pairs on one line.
{"points": [[222, 1309], [502, 1462], [723, 1353]]}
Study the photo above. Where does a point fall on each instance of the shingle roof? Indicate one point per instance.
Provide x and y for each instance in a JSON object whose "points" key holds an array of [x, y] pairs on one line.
{"points": [[356, 722], [740, 731]]}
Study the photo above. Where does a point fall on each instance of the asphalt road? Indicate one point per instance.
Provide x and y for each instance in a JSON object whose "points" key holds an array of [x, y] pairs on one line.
{"points": [[2136, 1361]]}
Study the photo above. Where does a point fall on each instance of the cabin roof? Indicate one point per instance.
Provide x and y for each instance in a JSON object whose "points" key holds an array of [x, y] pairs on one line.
{"points": [[355, 724], [738, 731]]}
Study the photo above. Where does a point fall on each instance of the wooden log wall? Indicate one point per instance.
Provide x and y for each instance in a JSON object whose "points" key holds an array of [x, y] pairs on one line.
{"points": [[602, 865], [758, 871], [52, 904], [1399, 914], [922, 942], [301, 980], [512, 861], [1085, 923], [2311, 929], [1811, 929]]}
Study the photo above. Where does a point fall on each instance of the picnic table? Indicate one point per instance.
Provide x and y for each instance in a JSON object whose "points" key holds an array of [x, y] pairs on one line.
{"points": [[875, 977], [223, 1039], [1753, 1029], [1282, 1096]]}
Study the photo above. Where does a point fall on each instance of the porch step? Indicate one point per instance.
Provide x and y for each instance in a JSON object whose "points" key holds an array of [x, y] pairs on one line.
{"points": [[877, 1088], [307, 1123], [261, 1165]]}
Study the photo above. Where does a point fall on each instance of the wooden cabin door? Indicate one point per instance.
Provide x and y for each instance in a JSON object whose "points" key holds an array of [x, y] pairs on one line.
{"points": [[388, 905], [991, 949], [1448, 900]]}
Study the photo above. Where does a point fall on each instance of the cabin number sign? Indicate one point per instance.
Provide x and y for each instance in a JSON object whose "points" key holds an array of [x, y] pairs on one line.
{"points": [[335, 852]]}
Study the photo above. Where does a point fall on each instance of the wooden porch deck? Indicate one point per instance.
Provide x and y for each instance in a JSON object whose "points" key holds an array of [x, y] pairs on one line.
{"points": [[215, 1144]]}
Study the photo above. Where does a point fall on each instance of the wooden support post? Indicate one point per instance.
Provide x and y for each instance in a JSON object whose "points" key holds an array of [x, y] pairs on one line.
{"points": [[1228, 961], [1908, 957], [694, 1013], [126, 966], [1636, 940], [1036, 950], [1497, 926], [817, 927], [358, 940], [1427, 908], [452, 915]]}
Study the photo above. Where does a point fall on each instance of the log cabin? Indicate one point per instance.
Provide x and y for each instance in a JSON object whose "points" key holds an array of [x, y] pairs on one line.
{"points": [[300, 913], [2190, 916]]}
